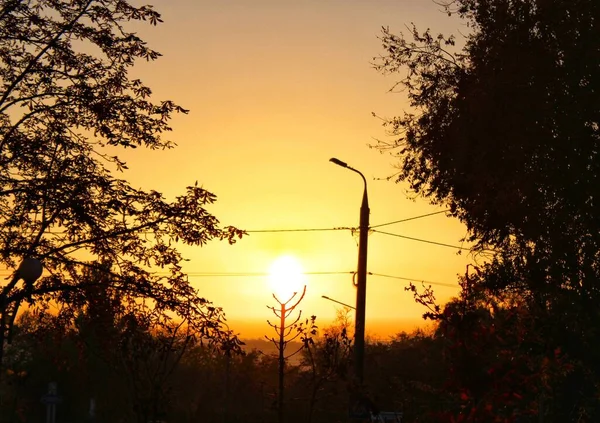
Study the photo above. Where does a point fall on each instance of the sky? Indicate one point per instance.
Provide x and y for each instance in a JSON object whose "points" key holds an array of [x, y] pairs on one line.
{"points": [[275, 89]]}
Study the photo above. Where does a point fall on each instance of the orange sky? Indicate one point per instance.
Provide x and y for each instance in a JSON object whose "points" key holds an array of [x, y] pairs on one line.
{"points": [[275, 89]]}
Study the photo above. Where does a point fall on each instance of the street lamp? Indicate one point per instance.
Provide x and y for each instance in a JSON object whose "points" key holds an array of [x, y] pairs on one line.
{"points": [[339, 302], [361, 284], [30, 270]]}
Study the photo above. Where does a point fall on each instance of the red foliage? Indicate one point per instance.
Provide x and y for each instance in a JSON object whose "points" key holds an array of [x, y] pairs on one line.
{"points": [[498, 363]]}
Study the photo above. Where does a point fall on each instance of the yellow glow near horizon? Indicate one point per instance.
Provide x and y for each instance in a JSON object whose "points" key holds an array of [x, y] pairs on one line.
{"points": [[286, 277], [276, 89]]}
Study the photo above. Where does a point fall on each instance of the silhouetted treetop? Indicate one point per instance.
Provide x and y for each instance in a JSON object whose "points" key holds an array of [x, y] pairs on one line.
{"points": [[506, 129], [67, 104]]}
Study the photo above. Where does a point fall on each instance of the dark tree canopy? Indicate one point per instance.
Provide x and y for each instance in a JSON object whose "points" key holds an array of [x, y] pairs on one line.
{"points": [[506, 130], [66, 105]]}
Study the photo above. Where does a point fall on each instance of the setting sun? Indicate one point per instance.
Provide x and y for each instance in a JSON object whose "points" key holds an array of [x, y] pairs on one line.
{"points": [[286, 277]]}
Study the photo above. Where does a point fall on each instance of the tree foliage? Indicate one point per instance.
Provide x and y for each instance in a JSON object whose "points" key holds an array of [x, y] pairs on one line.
{"points": [[504, 129], [139, 367], [327, 361], [501, 362], [67, 105], [125, 359]]}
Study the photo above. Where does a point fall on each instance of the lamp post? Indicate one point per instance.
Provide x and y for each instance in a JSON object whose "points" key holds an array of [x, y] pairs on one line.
{"points": [[361, 284], [29, 271]]}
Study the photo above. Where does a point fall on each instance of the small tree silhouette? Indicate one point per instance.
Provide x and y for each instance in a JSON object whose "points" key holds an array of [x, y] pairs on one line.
{"points": [[328, 359], [286, 333]]}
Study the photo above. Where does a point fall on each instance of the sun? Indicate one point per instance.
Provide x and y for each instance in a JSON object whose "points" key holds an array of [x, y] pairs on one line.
{"points": [[286, 276]]}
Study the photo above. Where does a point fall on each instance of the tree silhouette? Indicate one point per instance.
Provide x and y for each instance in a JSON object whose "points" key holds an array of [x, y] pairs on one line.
{"points": [[67, 104], [105, 347], [504, 130], [328, 360], [288, 332]]}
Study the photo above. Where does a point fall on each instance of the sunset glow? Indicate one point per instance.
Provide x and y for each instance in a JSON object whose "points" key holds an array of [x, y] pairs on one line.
{"points": [[286, 277], [284, 88]]}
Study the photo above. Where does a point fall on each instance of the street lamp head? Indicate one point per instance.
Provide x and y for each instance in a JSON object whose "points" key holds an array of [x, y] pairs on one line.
{"points": [[338, 162], [30, 270]]}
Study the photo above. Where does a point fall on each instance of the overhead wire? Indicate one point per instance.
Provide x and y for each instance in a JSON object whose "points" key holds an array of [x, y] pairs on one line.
{"points": [[263, 274], [348, 228], [256, 274], [371, 229], [413, 280], [252, 274], [408, 219], [341, 228], [421, 240]]}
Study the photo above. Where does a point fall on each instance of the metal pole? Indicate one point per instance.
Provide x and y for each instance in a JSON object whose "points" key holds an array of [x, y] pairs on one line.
{"points": [[361, 287], [361, 283]]}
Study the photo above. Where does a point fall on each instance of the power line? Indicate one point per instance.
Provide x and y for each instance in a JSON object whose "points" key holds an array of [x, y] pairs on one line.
{"points": [[422, 240], [347, 228], [371, 228], [252, 274], [263, 274], [409, 218], [344, 228], [255, 274], [413, 280], [255, 231]]}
